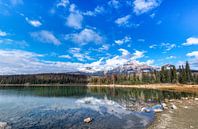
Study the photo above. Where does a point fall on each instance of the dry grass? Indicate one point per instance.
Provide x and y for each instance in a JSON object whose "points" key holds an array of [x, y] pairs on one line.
{"points": [[168, 87]]}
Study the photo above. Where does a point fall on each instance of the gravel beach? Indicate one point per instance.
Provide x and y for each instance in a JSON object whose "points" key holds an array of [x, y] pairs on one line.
{"points": [[184, 117]]}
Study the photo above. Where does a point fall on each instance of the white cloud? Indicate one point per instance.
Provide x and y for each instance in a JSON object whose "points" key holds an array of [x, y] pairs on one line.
{"points": [[114, 3], [152, 15], [153, 46], [65, 56], [24, 62], [126, 39], [171, 57], [124, 58], [143, 6], [124, 52], [75, 18], [149, 62], [35, 23], [85, 36], [46, 37], [191, 41], [82, 56], [193, 54], [63, 3], [194, 59], [13, 43], [2, 33], [168, 46], [123, 20], [74, 50], [159, 22], [104, 47], [97, 10], [16, 2], [78, 54], [138, 54], [141, 40]]}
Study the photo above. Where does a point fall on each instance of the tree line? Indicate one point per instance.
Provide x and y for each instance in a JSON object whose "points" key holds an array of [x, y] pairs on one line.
{"points": [[50, 78], [170, 74]]}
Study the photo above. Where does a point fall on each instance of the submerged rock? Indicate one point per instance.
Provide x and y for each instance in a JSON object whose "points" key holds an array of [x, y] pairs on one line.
{"points": [[4, 125], [157, 108], [144, 109], [87, 120]]}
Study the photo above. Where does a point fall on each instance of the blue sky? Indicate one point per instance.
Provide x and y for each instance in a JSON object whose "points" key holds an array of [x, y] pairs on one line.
{"points": [[70, 35]]}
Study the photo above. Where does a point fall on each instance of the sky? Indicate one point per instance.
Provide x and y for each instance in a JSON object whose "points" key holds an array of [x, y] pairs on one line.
{"points": [[39, 36]]}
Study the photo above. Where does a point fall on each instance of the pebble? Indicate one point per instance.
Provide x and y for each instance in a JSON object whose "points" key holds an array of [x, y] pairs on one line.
{"points": [[3, 125], [164, 105], [87, 120], [186, 107], [166, 100], [157, 110], [196, 99], [173, 106], [145, 110]]}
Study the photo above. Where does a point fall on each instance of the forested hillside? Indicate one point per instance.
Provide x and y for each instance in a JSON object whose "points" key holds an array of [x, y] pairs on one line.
{"points": [[167, 74], [44, 79]]}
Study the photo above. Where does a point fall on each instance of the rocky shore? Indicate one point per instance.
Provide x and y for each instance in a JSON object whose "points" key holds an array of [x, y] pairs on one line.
{"points": [[183, 115]]}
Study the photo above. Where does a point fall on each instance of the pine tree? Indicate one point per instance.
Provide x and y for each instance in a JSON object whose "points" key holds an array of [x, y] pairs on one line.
{"points": [[183, 75], [173, 75], [162, 75], [188, 73]]}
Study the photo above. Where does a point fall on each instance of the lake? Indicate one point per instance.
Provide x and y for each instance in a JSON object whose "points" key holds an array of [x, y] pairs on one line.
{"points": [[67, 107]]}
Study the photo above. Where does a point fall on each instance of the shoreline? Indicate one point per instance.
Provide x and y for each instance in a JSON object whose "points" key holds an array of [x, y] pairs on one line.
{"points": [[165, 87], [184, 116]]}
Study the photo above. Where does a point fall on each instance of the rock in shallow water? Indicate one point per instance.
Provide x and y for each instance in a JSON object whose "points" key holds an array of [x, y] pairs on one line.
{"points": [[3, 125], [157, 108], [144, 109], [87, 120]]}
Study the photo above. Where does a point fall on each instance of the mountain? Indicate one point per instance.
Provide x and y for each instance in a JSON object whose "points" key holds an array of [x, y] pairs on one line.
{"points": [[129, 67], [132, 67]]}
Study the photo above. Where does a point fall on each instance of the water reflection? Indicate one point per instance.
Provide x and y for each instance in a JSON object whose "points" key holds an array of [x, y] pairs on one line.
{"points": [[124, 93], [66, 107]]}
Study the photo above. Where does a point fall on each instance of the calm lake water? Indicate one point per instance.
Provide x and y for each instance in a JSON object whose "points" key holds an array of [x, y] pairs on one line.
{"points": [[66, 107]]}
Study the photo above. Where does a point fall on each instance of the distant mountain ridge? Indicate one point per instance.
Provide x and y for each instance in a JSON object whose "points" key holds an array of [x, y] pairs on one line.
{"points": [[130, 67]]}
